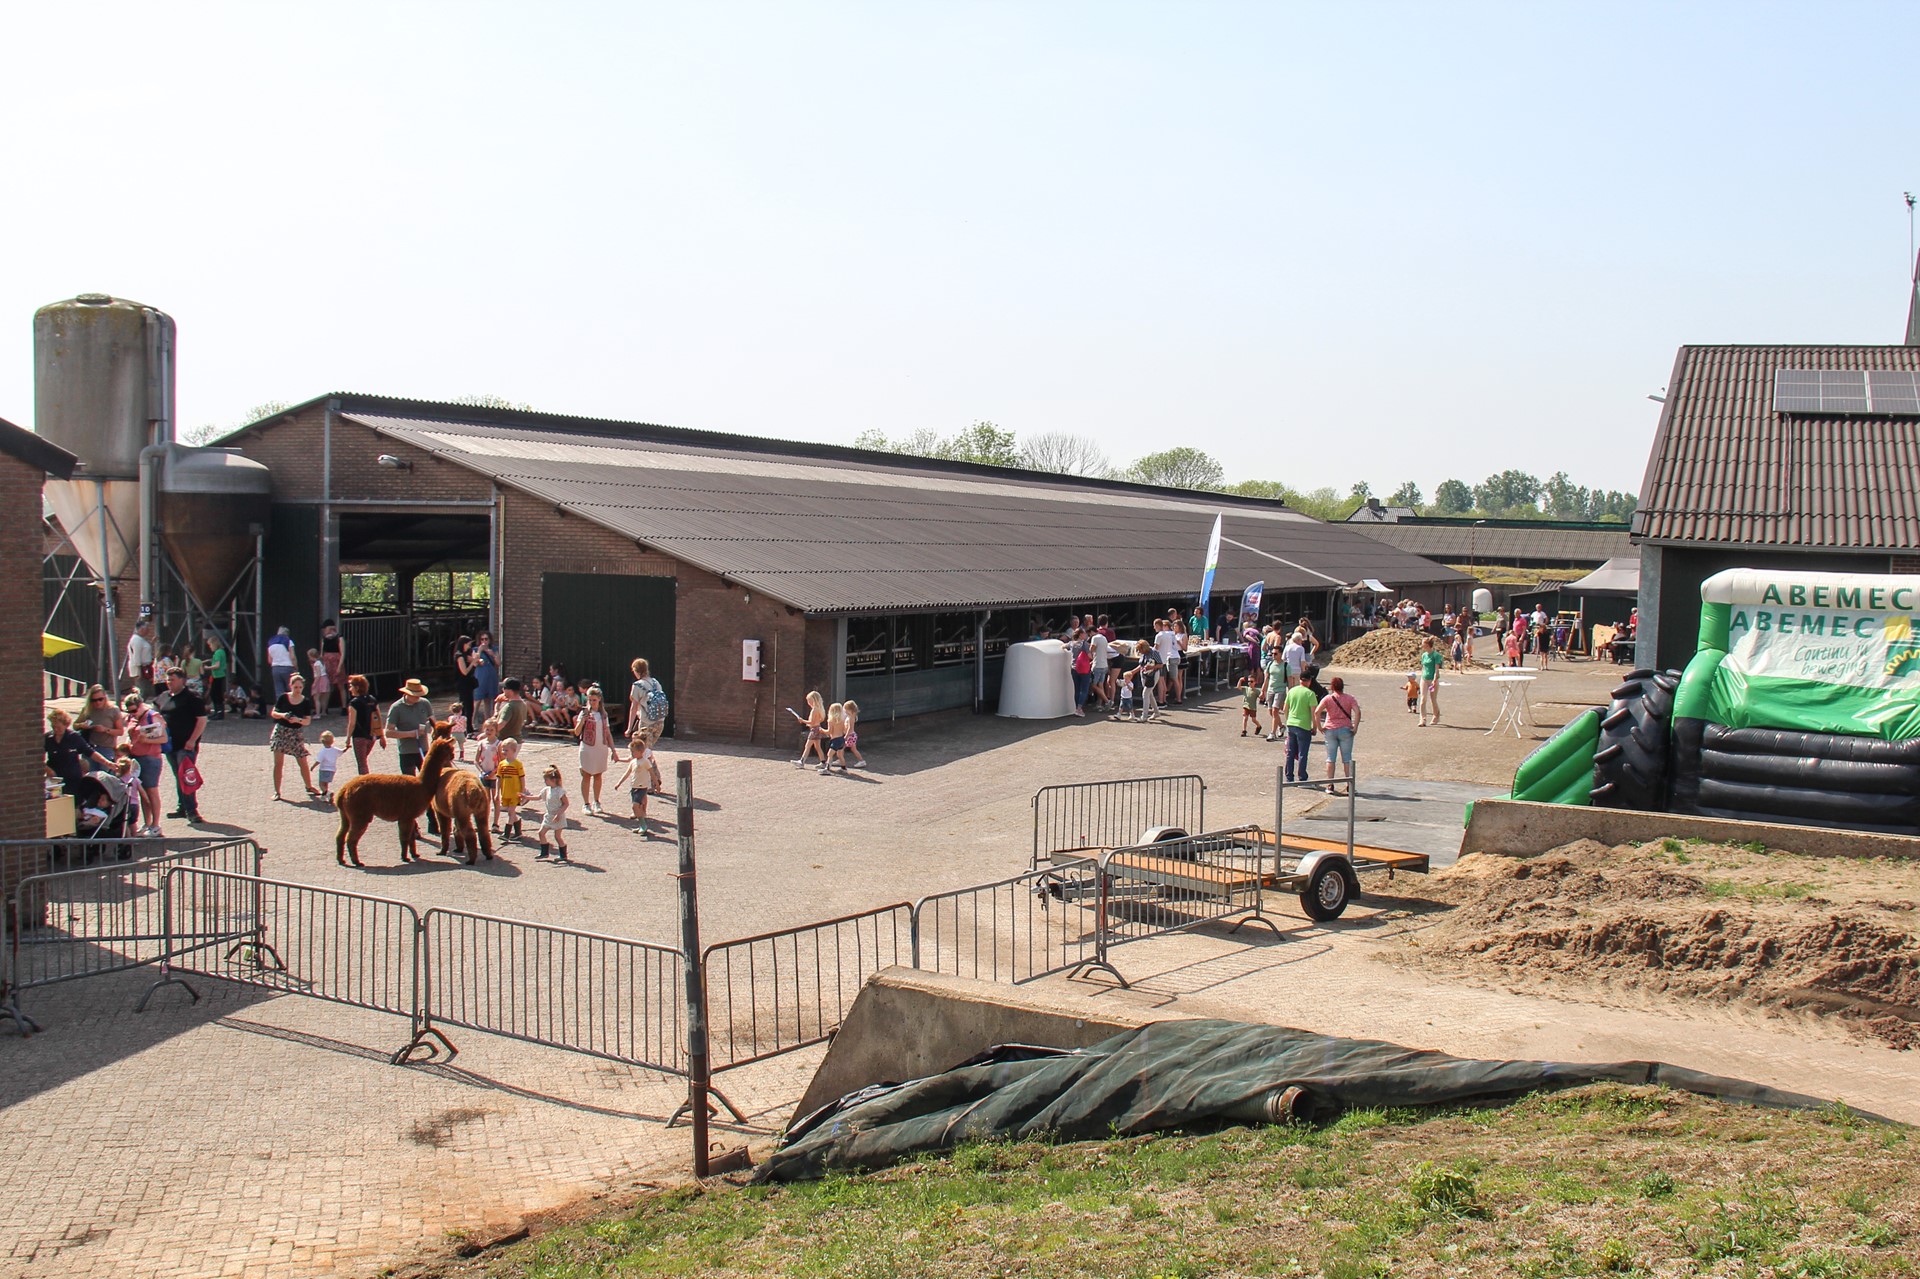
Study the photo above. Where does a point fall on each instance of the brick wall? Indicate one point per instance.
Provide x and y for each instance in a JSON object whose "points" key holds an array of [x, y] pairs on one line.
{"points": [[292, 449], [711, 618], [22, 815]]}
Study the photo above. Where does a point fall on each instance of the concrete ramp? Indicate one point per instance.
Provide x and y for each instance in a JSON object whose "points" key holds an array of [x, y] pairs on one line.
{"points": [[1521, 829], [907, 1024]]}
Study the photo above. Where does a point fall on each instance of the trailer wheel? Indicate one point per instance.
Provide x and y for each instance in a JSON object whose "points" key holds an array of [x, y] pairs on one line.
{"points": [[1328, 892], [1631, 767]]}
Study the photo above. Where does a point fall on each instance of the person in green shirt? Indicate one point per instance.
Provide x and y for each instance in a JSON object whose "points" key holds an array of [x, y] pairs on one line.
{"points": [[216, 673], [1431, 660], [1300, 706]]}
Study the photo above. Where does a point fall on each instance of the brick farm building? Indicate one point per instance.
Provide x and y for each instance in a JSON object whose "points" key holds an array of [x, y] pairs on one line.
{"points": [[895, 580]]}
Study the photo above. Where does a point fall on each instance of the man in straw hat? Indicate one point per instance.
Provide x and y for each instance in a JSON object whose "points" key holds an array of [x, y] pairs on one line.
{"points": [[409, 721]]}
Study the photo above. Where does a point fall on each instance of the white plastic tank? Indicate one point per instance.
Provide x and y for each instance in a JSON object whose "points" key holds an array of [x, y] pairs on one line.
{"points": [[1482, 600], [1037, 681]]}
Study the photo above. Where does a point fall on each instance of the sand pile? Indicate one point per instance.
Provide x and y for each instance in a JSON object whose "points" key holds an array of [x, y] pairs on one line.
{"points": [[1825, 936], [1391, 650]]}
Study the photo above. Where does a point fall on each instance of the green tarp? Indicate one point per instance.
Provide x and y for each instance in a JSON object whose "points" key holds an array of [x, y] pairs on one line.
{"points": [[1175, 1073]]}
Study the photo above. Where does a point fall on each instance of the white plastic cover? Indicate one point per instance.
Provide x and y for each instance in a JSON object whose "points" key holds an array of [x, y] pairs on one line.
{"points": [[1037, 682]]}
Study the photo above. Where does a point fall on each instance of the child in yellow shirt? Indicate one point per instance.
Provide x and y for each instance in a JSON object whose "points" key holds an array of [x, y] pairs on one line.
{"points": [[513, 782]]}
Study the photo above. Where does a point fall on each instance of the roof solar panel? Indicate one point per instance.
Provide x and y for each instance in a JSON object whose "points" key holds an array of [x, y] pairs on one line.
{"points": [[1894, 393], [1884, 394]]}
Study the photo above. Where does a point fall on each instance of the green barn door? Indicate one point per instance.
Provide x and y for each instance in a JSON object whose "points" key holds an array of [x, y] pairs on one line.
{"points": [[594, 624]]}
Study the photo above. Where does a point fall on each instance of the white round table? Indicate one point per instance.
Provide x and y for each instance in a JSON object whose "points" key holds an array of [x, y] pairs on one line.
{"points": [[1515, 709]]}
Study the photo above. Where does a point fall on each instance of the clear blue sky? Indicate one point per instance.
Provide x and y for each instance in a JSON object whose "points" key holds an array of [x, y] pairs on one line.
{"points": [[1325, 242]]}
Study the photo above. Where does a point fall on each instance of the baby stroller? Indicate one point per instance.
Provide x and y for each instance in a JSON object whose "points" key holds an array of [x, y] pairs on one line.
{"points": [[104, 808]]}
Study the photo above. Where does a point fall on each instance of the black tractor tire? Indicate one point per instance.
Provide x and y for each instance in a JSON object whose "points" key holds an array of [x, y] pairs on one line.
{"points": [[1632, 762], [1329, 891]]}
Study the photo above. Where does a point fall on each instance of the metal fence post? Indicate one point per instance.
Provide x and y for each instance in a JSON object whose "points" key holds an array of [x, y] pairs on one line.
{"points": [[1353, 801], [698, 1075], [10, 1009], [1279, 815]]}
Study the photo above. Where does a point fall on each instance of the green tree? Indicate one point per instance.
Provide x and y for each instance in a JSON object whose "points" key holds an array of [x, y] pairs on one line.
{"points": [[209, 431], [1407, 494], [1361, 491], [1507, 492], [1564, 500], [1269, 490], [983, 442], [1184, 467], [1453, 497], [1611, 505]]}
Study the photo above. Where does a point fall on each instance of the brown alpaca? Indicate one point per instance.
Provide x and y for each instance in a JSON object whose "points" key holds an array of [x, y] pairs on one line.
{"points": [[464, 809], [391, 797]]}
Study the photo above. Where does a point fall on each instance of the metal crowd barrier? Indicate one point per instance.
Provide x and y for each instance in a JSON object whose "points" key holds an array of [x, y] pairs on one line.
{"points": [[1096, 816], [21, 858], [1012, 930], [66, 924], [774, 992], [584, 992], [206, 912], [345, 948], [1173, 885]]}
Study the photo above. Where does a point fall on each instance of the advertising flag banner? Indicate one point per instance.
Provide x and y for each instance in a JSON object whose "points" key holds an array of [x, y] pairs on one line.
{"points": [[1250, 604], [1213, 562]]}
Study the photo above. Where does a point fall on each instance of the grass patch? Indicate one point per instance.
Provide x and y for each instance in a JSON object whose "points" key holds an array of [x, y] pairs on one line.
{"points": [[1757, 892], [1595, 1181]]}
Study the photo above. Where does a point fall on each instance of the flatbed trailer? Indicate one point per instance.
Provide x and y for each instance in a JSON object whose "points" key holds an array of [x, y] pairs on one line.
{"points": [[1239, 865]]}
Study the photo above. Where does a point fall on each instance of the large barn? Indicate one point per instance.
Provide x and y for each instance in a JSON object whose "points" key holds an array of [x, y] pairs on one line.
{"points": [[894, 580], [1776, 457]]}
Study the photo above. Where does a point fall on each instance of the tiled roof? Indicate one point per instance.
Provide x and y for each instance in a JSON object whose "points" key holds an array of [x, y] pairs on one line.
{"points": [[17, 441], [833, 530], [1727, 469], [1542, 542]]}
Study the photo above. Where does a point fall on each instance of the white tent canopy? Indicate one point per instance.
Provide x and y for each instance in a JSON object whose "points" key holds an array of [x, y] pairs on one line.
{"points": [[1618, 576]]}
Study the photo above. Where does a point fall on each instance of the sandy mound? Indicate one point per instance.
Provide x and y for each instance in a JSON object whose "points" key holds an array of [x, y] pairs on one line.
{"points": [[1728, 925], [1390, 650]]}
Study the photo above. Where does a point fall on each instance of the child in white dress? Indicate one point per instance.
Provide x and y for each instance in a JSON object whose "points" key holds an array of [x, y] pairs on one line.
{"points": [[553, 814]]}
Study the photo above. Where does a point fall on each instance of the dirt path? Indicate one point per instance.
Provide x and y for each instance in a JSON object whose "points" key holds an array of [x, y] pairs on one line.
{"points": [[1347, 980]]}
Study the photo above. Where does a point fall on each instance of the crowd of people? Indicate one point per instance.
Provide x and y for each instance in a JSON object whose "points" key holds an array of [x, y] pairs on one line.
{"points": [[111, 756]]}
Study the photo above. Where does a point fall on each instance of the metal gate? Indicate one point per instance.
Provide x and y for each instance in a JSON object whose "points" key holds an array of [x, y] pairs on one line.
{"points": [[594, 624]]}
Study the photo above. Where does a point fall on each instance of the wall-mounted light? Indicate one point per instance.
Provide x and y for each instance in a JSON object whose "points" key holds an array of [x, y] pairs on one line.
{"points": [[393, 463]]}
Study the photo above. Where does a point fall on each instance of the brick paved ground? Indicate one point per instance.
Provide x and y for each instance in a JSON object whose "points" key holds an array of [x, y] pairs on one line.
{"points": [[256, 1135]]}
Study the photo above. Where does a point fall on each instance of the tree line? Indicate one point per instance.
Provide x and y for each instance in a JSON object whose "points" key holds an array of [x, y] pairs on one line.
{"points": [[1511, 494]]}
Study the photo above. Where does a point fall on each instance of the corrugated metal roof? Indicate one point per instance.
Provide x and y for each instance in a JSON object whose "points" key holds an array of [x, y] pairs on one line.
{"points": [[1544, 541], [851, 532], [1725, 468]]}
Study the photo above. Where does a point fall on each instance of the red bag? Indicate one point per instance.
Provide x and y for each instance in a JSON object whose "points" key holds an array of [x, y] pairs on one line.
{"points": [[190, 780]]}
